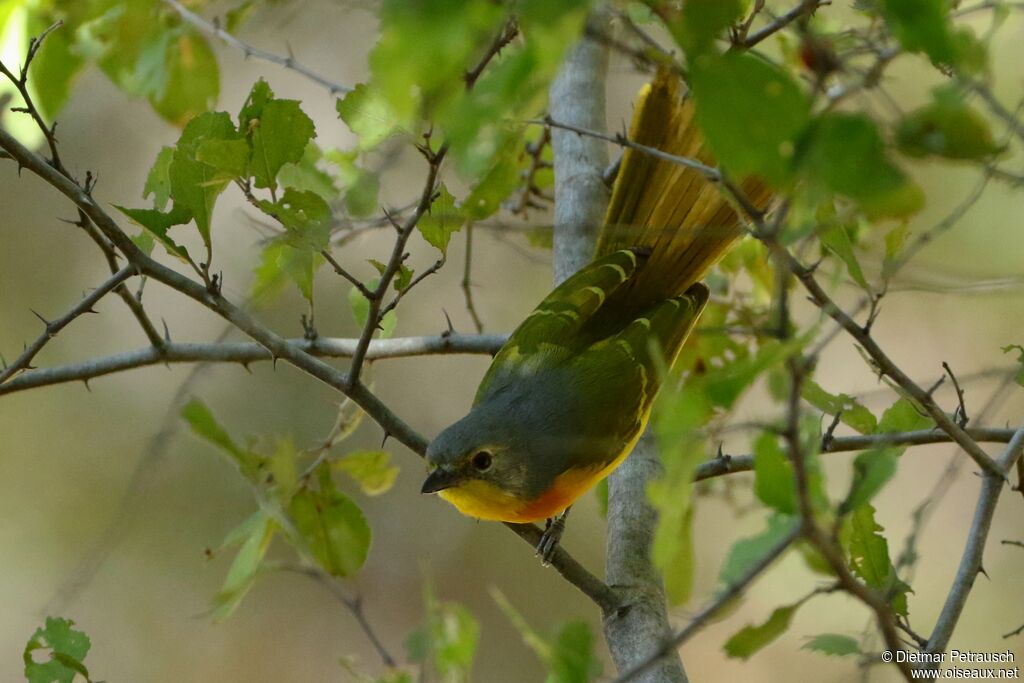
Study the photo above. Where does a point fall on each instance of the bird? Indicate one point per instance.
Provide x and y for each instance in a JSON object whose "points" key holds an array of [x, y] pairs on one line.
{"points": [[568, 396]]}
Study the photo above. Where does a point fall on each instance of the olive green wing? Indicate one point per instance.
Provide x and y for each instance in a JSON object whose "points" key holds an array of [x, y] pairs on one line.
{"points": [[554, 330], [621, 375]]}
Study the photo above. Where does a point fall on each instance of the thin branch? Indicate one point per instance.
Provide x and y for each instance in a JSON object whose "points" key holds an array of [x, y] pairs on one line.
{"points": [[53, 327], [803, 9], [467, 284], [970, 562], [289, 62], [721, 601], [501, 40], [250, 352]]}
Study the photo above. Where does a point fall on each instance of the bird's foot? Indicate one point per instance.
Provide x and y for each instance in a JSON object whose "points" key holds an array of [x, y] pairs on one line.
{"points": [[548, 544]]}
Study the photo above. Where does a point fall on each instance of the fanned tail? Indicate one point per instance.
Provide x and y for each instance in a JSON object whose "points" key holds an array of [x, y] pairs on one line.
{"points": [[682, 217]]}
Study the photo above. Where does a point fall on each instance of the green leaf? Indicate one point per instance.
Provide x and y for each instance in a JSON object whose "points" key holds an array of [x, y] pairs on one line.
{"points": [[748, 552], [869, 557], [334, 529], [745, 642], [205, 425], [569, 655], [922, 26], [845, 154], [947, 127], [306, 216], [368, 115], [443, 219], [280, 137], [229, 157], [53, 70], [306, 175], [241, 576], [726, 385], [701, 22], [361, 310], [372, 470], [851, 412], [751, 113], [871, 471], [157, 223], [837, 240], [158, 182], [403, 278], [281, 262], [496, 184], [903, 416], [678, 417], [1019, 377], [773, 475], [67, 648], [833, 644], [194, 184], [192, 81], [361, 197], [447, 640]]}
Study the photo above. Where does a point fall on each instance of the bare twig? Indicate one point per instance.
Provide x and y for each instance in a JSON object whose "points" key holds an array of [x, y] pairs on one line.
{"points": [[467, 283], [803, 9], [24, 361], [289, 62]]}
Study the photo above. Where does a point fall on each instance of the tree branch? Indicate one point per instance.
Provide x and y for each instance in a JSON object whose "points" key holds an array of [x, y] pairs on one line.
{"points": [[289, 62], [54, 326], [250, 352], [970, 562], [577, 100]]}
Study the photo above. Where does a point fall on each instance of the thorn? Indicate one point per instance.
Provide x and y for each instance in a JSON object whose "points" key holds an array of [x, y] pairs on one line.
{"points": [[87, 387], [245, 364], [981, 570], [273, 362], [451, 328], [36, 314], [384, 440], [167, 331]]}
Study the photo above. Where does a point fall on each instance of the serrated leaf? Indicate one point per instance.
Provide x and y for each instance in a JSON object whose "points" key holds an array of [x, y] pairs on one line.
{"points": [[833, 644], [871, 471], [845, 153], [851, 412], [751, 112], [443, 219], [67, 648], [306, 216], [837, 240], [244, 568], [1019, 377], [279, 136], [205, 425], [372, 470], [869, 556], [747, 641], [157, 223], [192, 79], [747, 552], [368, 115], [194, 184], [922, 26], [773, 475], [903, 416], [947, 127], [229, 157], [306, 175], [158, 182], [447, 640], [499, 181]]}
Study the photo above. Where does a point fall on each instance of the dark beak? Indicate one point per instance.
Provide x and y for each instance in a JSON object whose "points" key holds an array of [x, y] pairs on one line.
{"points": [[438, 480]]}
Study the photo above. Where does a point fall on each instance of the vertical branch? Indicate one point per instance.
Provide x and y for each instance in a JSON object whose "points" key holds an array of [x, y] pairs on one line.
{"points": [[640, 625]]}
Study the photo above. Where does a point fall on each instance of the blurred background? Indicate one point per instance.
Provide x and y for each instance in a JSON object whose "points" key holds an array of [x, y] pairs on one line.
{"points": [[68, 455]]}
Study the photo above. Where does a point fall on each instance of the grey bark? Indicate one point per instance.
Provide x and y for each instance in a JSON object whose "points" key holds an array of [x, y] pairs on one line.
{"points": [[640, 624]]}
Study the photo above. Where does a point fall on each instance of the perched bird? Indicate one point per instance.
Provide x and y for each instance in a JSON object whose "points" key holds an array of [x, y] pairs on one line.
{"points": [[568, 396]]}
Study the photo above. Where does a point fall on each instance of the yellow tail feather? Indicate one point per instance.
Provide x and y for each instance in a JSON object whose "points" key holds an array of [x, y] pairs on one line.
{"points": [[685, 219]]}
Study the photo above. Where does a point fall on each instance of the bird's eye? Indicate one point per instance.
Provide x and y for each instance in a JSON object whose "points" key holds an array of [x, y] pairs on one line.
{"points": [[482, 461]]}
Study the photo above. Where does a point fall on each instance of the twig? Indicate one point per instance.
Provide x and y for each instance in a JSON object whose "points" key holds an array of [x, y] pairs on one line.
{"points": [[505, 36], [289, 62], [467, 284], [804, 8], [250, 352], [970, 562], [55, 326]]}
